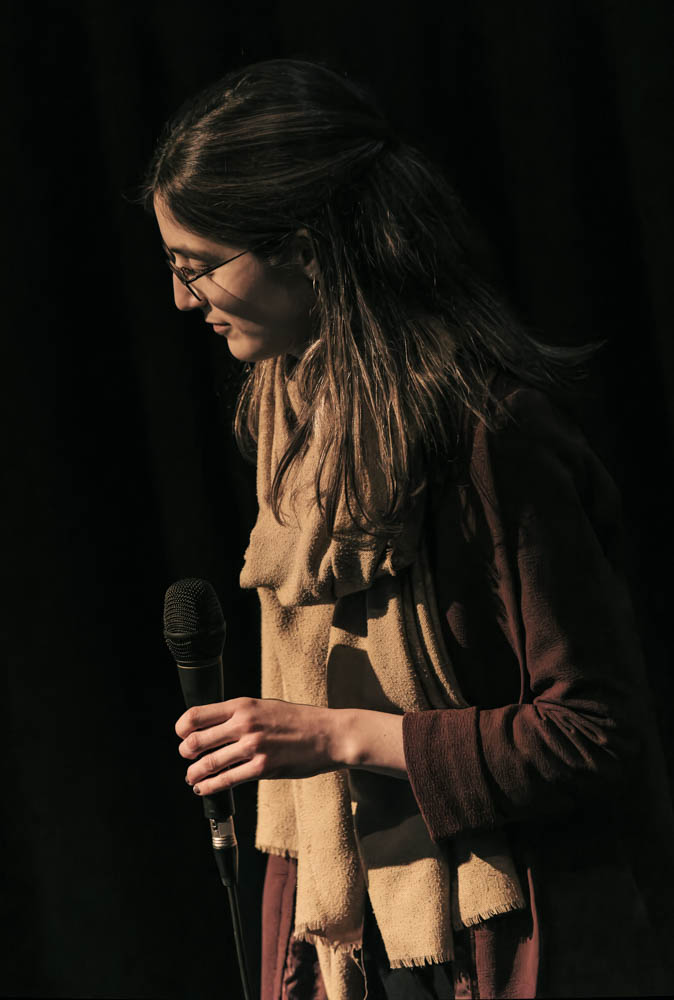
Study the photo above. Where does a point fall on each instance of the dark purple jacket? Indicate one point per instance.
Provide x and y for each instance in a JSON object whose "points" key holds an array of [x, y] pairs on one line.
{"points": [[560, 747]]}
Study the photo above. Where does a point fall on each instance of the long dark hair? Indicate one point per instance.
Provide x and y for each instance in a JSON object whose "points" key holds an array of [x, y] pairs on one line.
{"points": [[408, 333]]}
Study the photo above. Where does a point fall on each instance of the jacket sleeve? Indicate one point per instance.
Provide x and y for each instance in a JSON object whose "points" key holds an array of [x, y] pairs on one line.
{"points": [[553, 523]]}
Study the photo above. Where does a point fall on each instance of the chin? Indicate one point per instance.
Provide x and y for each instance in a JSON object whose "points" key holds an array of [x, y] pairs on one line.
{"points": [[244, 350], [249, 355]]}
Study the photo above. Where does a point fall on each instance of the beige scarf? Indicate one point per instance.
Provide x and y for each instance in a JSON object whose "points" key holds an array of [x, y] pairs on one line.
{"points": [[352, 622]]}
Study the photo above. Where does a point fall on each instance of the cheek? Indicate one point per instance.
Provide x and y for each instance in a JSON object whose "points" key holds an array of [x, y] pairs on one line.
{"points": [[293, 300], [277, 297], [275, 302]]}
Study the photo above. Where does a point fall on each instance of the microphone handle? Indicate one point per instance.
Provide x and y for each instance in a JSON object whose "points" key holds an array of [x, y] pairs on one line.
{"points": [[203, 685]]}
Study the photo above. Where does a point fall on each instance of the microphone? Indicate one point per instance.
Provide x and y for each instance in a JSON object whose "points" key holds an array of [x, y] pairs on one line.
{"points": [[194, 630]]}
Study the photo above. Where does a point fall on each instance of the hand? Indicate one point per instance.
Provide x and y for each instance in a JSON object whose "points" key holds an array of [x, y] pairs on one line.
{"points": [[246, 739]]}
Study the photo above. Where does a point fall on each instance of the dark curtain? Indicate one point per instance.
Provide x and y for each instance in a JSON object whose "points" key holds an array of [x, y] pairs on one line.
{"points": [[554, 120]]}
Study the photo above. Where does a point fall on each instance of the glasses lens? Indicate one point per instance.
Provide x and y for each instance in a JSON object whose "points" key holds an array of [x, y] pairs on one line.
{"points": [[174, 269]]}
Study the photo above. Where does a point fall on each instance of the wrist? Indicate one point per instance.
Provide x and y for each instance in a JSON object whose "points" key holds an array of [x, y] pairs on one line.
{"points": [[368, 740], [343, 736]]}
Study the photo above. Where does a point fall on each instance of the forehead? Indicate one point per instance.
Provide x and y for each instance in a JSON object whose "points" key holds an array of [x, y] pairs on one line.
{"points": [[182, 240]]}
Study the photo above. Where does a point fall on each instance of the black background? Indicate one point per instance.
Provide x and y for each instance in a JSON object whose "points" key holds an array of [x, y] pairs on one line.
{"points": [[553, 117]]}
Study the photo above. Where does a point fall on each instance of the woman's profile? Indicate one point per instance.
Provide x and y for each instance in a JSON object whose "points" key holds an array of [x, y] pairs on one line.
{"points": [[461, 789]]}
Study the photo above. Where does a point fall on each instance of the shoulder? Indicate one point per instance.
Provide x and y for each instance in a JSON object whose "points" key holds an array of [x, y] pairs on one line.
{"points": [[531, 410], [534, 463], [527, 424]]}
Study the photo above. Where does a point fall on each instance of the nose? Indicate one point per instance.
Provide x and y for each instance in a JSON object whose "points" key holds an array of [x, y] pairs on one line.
{"points": [[183, 297]]}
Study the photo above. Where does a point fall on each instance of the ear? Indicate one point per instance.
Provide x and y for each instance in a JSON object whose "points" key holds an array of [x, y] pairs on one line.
{"points": [[305, 254]]}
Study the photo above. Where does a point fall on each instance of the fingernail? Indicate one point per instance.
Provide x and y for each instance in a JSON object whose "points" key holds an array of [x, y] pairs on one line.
{"points": [[196, 790], [187, 779]]}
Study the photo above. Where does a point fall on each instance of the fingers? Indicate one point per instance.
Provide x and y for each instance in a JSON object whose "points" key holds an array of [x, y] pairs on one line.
{"points": [[203, 716], [205, 739], [248, 771], [208, 769], [212, 763]]}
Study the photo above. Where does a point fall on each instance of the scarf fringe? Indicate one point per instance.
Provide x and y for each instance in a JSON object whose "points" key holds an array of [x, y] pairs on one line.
{"points": [[303, 933], [433, 958], [281, 852], [460, 924]]}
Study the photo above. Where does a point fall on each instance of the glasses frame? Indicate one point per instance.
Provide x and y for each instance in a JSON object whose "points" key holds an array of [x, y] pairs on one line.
{"points": [[187, 282]]}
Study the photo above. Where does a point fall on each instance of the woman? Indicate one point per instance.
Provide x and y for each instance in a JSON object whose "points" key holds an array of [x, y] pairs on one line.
{"points": [[449, 658]]}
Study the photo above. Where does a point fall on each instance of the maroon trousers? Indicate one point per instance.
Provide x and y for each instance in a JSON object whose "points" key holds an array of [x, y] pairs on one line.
{"points": [[290, 968]]}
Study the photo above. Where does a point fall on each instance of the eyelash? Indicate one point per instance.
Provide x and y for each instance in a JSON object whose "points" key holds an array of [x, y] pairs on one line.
{"points": [[192, 272]]}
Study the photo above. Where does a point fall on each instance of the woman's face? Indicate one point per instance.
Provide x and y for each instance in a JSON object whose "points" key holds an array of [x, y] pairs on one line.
{"points": [[262, 311]]}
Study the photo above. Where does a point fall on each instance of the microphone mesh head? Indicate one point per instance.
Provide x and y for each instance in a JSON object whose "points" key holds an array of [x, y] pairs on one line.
{"points": [[194, 626]]}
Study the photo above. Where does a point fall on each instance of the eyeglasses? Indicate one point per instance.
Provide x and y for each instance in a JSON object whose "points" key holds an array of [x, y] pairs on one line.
{"points": [[183, 273]]}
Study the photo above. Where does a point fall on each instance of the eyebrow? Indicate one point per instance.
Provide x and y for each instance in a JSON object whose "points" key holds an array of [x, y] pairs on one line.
{"points": [[192, 254]]}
